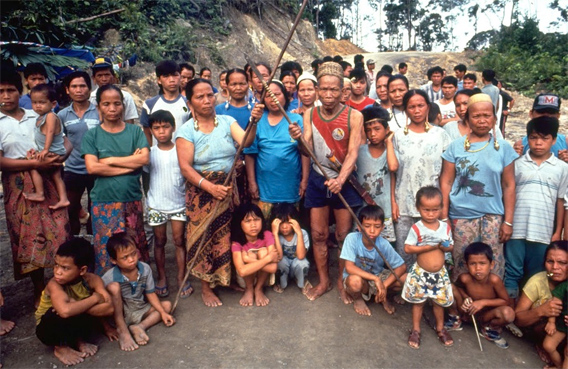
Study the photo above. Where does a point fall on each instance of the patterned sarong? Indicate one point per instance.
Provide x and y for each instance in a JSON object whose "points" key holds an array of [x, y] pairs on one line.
{"points": [[36, 232]]}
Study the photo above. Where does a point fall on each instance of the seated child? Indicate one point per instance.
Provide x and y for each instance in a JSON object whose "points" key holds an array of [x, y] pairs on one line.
{"points": [[71, 302], [49, 139], [166, 201], [131, 286], [365, 272], [254, 254], [556, 329], [482, 293], [428, 278], [292, 244]]}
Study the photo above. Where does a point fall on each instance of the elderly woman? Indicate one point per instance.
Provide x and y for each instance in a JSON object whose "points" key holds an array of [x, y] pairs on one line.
{"points": [[35, 230], [535, 305], [307, 93], [419, 147], [478, 186], [397, 87], [115, 153], [237, 106], [276, 171], [206, 148]]}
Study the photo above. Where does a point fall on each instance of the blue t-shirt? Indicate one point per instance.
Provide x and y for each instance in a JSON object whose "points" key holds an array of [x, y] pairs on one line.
{"points": [[294, 104], [213, 151], [278, 165], [368, 260], [559, 145], [241, 114], [477, 187], [75, 128], [289, 247]]}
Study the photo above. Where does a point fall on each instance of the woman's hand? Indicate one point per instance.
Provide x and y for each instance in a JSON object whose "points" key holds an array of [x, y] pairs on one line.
{"points": [[552, 307], [505, 232], [257, 111], [253, 190], [295, 131], [219, 192], [303, 188]]}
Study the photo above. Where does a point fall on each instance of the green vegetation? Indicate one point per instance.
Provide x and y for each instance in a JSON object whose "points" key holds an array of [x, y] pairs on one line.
{"points": [[529, 60]]}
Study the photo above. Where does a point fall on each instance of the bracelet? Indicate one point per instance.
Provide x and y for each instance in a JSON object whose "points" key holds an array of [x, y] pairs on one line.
{"points": [[509, 224], [201, 180]]}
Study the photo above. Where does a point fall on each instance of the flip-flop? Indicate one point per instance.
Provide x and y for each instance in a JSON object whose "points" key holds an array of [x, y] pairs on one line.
{"points": [[162, 291], [186, 291]]}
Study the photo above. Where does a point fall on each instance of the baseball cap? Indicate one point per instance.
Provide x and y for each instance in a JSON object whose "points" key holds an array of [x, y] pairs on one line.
{"points": [[546, 101], [102, 62], [370, 61]]}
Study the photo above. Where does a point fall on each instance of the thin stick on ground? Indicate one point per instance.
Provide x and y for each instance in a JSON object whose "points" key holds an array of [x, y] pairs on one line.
{"points": [[476, 331]]}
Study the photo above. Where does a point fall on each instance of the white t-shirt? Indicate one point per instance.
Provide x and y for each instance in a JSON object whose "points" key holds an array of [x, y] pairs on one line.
{"points": [[166, 193], [447, 111], [17, 137]]}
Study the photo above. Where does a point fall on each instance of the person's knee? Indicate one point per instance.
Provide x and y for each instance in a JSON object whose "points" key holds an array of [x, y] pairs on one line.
{"points": [[507, 314], [160, 239], [549, 345], [178, 240], [354, 283], [167, 306], [284, 265], [319, 235]]}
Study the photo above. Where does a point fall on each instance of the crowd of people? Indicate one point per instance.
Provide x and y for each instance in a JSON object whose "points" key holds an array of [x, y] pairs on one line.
{"points": [[447, 209]]}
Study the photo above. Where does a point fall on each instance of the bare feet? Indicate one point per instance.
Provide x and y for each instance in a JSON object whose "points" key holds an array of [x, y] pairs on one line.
{"points": [[68, 356], [210, 298], [126, 341], [399, 300], [248, 298], [361, 307], [235, 287], [139, 334], [38, 198], [344, 296], [6, 326], [277, 288], [110, 332], [260, 298], [389, 308], [59, 205], [313, 293], [307, 286], [87, 348]]}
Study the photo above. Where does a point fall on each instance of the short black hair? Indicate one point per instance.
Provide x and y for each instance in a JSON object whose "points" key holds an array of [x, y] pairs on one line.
{"points": [[188, 67], [387, 68], [428, 192], [204, 69], [45, 89], [382, 73], [9, 76], [358, 58], [80, 250], [291, 66], [35, 68], [436, 69], [103, 89], [167, 68], [402, 65], [543, 125], [488, 75], [337, 58], [358, 74], [344, 64], [240, 213], [288, 73], [284, 211], [433, 112], [397, 77], [315, 65], [77, 74], [411, 93], [471, 76], [376, 114], [460, 68], [191, 85], [327, 58], [160, 116], [478, 248], [120, 241], [467, 92], [371, 212], [450, 80]]}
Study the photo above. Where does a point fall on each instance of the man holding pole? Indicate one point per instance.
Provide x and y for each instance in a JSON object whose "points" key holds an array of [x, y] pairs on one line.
{"points": [[332, 128]]}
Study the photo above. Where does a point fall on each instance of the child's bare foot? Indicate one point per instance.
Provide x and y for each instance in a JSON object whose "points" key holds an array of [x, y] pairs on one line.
{"points": [[126, 341], [277, 288], [260, 298], [344, 296], [313, 293], [389, 308], [139, 334], [35, 197], [248, 298], [87, 348], [6, 326], [399, 300], [210, 299], [68, 356], [59, 205], [110, 332], [361, 307]]}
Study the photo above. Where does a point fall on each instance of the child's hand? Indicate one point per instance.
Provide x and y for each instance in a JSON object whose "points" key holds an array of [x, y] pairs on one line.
{"points": [[276, 226], [381, 291], [446, 243], [294, 223], [42, 154], [100, 298], [466, 304], [476, 307], [550, 328], [273, 255], [168, 319], [389, 137]]}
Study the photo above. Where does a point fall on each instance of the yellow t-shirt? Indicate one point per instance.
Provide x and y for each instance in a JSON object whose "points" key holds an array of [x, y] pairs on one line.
{"points": [[77, 291], [537, 289]]}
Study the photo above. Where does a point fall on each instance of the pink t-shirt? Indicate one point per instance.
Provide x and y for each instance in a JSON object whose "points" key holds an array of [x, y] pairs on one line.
{"points": [[258, 244]]}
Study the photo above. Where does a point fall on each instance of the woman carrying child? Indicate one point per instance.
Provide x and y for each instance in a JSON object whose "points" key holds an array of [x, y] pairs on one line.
{"points": [[478, 185], [254, 254]]}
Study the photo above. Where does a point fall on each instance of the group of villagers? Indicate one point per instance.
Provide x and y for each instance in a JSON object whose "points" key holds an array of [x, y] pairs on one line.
{"points": [[464, 222]]}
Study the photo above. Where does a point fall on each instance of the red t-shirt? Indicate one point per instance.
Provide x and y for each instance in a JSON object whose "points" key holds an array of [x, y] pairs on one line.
{"points": [[256, 245], [362, 105]]}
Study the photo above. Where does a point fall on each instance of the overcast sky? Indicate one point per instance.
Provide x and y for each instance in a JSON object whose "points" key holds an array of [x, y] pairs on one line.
{"points": [[488, 20]]}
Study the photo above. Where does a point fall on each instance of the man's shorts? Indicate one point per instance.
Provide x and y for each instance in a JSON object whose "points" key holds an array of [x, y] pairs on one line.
{"points": [[372, 286], [156, 217], [421, 285], [318, 195]]}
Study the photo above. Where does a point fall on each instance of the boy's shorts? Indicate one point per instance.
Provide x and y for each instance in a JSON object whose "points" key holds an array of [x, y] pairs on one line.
{"points": [[318, 195], [156, 217], [421, 285], [372, 286], [134, 310]]}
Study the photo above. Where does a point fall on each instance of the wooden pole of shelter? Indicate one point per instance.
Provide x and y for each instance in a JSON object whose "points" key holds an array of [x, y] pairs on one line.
{"points": [[192, 262]]}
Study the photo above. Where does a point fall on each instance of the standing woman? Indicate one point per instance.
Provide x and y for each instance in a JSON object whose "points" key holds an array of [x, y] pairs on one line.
{"points": [[223, 95], [276, 171], [419, 147], [237, 106], [478, 185], [115, 153], [289, 80], [206, 148], [397, 87], [307, 93], [35, 230]]}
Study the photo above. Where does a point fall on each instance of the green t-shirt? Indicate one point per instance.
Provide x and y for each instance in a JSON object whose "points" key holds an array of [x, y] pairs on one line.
{"points": [[561, 292], [103, 144]]}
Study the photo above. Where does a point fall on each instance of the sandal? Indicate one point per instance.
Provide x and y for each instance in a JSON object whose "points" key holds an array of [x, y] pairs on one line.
{"points": [[414, 340], [445, 338], [186, 291], [162, 291]]}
